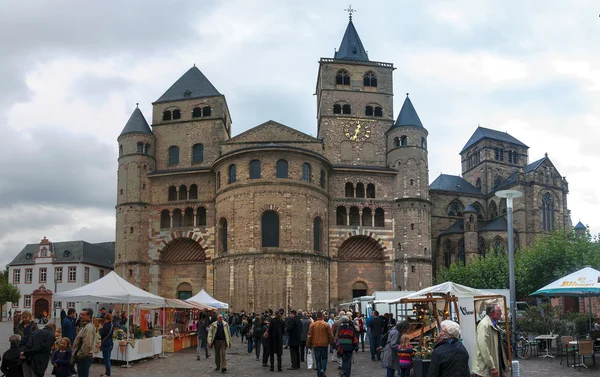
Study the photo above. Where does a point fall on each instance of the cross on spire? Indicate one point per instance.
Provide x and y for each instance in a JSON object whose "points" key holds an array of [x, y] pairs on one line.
{"points": [[350, 11]]}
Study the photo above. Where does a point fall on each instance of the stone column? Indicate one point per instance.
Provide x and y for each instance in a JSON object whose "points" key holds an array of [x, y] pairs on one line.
{"points": [[171, 219], [231, 285], [360, 220], [195, 211], [251, 301], [334, 288], [288, 284], [309, 284]]}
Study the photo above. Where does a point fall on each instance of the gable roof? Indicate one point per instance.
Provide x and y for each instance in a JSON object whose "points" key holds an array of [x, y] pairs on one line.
{"points": [[487, 133], [580, 226], [457, 227], [78, 252], [351, 47], [498, 224], [408, 115], [136, 124], [272, 132], [513, 178], [193, 84], [453, 183]]}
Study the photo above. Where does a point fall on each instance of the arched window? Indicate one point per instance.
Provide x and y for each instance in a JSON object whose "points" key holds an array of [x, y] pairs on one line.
{"points": [[176, 114], [165, 219], [547, 212], [337, 108], [188, 218], [317, 232], [121, 150], [369, 110], [498, 245], [197, 153], [480, 211], [323, 179], [193, 193], [173, 155], [232, 177], [461, 251], [510, 159], [482, 247], [172, 193], [349, 190], [206, 111], [403, 141], [423, 142], [306, 172], [360, 190], [498, 181], [184, 291], [281, 169], [254, 169], [378, 111], [379, 217], [223, 235], [140, 147], [359, 289], [167, 115], [396, 142], [370, 190], [447, 253], [367, 217], [354, 216], [370, 79], [455, 208], [201, 216], [182, 192], [346, 109], [342, 77], [146, 148], [177, 218], [340, 216], [478, 184], [270, 229], [197, 112], [218, 180], [493, 210]]}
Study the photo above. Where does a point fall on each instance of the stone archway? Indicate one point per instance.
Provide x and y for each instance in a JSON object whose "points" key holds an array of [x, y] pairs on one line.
{"points": [[361, 267], [182, 263], [41, 306], [40, 301]]}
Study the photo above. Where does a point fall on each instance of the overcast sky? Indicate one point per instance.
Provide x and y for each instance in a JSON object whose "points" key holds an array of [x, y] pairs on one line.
{"points": [[71, 73]]}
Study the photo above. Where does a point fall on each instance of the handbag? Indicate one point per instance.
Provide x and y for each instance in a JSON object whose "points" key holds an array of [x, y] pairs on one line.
{"points": [[99, 343]]}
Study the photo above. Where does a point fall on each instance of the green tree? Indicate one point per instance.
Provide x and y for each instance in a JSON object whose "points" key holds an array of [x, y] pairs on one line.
{"points": [[8, 292]]}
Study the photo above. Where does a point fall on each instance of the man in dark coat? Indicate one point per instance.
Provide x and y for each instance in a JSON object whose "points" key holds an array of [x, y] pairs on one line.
{"points": [[37, 350], [294, 331], [11, 361], [276, 330], [305, 326]]}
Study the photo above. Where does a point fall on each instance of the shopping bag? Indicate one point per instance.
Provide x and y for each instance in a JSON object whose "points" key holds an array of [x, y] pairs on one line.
{"points": [[309, 358]]}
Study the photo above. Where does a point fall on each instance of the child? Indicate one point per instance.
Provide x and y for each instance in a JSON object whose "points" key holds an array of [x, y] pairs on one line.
{"points": [[62, 359], [405, 354]]}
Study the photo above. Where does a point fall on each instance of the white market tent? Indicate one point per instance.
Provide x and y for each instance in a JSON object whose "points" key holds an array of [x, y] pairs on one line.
{"points": [[204, 298], [111, 289], [177, 304]]}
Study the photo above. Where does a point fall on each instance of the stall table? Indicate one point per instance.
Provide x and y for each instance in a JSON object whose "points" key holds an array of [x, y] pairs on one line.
{"points": [[548, 340], [143, 348], [173, 344]]}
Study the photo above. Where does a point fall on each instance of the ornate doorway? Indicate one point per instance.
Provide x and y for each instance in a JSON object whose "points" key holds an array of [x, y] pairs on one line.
{"points": [[41, 306]]}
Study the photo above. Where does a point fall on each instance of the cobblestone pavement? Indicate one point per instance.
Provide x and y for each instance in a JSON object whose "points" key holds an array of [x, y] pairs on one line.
{"points": [[240, 363]]}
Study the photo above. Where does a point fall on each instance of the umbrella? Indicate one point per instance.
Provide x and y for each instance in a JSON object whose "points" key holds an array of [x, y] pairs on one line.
{"points": [[582, 283]]}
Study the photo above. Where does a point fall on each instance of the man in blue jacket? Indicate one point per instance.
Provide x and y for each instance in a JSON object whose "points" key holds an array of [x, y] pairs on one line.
{"points": [[68, 330]]}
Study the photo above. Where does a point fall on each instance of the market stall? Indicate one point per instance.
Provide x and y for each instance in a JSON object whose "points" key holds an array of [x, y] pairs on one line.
{"points": [[116, 290], [204, 298]]}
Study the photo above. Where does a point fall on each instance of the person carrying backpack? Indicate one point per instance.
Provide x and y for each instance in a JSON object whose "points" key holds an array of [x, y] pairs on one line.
{"points": [[346, 342]]}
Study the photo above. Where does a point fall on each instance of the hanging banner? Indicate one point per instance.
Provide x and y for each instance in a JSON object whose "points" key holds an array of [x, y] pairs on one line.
{"points": [[466, 306]]}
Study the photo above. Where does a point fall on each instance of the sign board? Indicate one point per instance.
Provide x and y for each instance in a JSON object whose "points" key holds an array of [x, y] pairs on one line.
{"points": [[466, 306]]}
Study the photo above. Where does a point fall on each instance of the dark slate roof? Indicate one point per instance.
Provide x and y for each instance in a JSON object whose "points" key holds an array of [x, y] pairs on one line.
{"points": [[453, 183], [512, 179], [498, 224], [351, 47], [106, 245], [136, 124], [408, 115], [457, 227], [470, 209], [78, 252], [534, 165], [194, 83], [580, 226], [486, 133]]}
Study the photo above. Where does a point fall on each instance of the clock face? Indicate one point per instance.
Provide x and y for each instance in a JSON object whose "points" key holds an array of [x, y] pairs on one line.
{"points": [[357, 131]]}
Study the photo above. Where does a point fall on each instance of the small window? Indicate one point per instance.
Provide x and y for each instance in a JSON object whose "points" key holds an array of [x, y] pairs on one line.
{"points": [[378, 111], [379, 217], [206, 111], [323, 180], [86, 275], [396, 142], [165, 219], [354, 216], [43, 275], [346, 109], [182, 192], [340, 216], [370, 80], [201, 216], [232, 174], [146, 148], [121, 150], [140, 147], [27, 301], [121, 192], [218, 180], [173, 155], [223, 236], [177, 218], [413, 269], [17, 276], [172, 193], [370, 190], [167, 115], [360, 190], [367, 217], [254, 169], [197, 112], [342, 77], [403, 141], [188, 218], [337, 108], [197, 153], [317, 231], [349, 190], [281, 169], [270, 229], [369, 110], [423, 143], [70, 305], [193, 193], [28, 276], [176, 114], [72, 274], [306, 172]]}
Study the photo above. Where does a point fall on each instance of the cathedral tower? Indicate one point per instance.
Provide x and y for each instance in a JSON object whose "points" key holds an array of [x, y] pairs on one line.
{"points": [[407, 153], [137, 145]]}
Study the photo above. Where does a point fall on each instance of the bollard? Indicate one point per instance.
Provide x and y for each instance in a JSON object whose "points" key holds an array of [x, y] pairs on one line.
{"points": [[515, 369]]}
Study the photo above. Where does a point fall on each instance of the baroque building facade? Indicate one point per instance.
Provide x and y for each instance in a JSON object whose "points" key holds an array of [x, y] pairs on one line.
{"points": [[274, 217]]}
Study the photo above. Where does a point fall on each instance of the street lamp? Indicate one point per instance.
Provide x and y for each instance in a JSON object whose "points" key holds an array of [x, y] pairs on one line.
{"points": [[510, 195]]}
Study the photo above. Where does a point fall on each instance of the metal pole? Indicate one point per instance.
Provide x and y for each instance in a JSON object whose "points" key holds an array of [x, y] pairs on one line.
{"points": [[511, 265]]}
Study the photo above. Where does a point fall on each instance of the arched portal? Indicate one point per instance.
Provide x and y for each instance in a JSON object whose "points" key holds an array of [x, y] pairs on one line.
{"points": [[359, 289], [182, 259], [41, 306], [184, 291]]}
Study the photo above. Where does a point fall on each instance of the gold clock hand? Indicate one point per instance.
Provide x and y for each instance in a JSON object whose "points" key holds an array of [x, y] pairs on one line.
{"points": [[356, 132]]}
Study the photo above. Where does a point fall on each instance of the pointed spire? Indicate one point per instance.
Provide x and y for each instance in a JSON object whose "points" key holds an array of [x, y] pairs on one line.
{"points": [[193, 84], [136, 123], [580, 226], [408, 115], [351, 47]]}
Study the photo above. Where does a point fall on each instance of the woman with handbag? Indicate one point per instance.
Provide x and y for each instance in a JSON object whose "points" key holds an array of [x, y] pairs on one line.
{"points": [[106, 344]]}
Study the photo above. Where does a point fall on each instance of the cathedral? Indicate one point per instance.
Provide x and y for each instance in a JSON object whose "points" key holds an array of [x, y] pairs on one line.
{"points": [[276, 218]]}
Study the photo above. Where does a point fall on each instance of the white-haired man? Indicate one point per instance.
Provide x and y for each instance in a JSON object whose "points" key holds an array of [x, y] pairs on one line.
{"points": [[449, 357], [490, 357]]}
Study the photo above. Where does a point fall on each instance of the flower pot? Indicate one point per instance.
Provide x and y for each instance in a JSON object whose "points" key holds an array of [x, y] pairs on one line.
{"points": [[122, 345]]}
